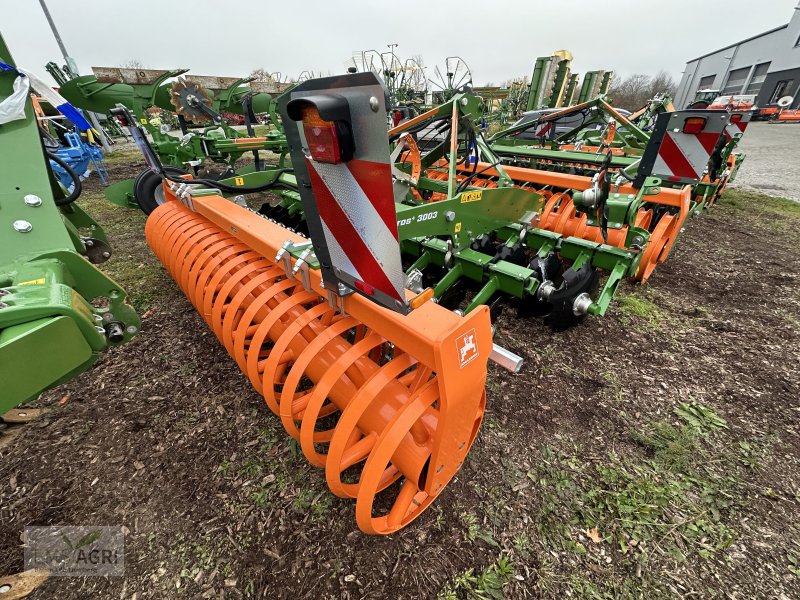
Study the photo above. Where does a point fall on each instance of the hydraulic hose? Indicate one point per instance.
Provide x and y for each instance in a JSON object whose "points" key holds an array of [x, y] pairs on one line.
{"points": [[224, 187], [77, 187]]}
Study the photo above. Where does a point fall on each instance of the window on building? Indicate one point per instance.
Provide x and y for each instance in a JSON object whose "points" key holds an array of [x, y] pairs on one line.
{"points": [[736, 79], [784, 87], [706, 82], [759, 75]]}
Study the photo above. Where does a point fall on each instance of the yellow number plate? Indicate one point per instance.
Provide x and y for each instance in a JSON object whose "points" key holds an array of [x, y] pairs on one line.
{"points": [[473, 196]]}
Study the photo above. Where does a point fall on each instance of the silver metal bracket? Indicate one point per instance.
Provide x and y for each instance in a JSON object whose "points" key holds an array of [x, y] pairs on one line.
{"points": [[304, 254], [340, 293]]}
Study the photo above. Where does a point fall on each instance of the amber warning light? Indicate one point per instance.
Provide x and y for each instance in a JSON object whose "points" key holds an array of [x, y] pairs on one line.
{"points": [[328, 141]]}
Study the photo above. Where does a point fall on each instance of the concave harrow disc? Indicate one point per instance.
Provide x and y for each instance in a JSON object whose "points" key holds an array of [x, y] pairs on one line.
{"points": [[188, 97], [390, 420]]}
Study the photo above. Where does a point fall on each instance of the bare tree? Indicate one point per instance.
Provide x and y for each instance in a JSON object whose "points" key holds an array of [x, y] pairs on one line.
{"points": [[261, 74], [133, 63], [417, 80], [663, 83], [634, 91]]}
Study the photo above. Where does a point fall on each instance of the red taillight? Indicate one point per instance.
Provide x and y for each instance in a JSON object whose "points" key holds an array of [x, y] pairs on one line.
{"points": [[694, 125], [736, 118], [323, 141], [365, 287]]}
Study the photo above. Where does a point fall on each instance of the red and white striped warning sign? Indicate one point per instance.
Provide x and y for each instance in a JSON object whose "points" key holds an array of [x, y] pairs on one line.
{"points": [[740, 119], [344, 172], [544, 129], [689, 140], [356, 206]]}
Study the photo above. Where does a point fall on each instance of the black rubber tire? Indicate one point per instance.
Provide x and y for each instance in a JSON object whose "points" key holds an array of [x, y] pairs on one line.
{"points": [[146, 185]]}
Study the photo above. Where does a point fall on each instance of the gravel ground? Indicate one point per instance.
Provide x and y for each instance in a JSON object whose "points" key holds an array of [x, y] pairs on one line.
{"points": [[773, 153]]}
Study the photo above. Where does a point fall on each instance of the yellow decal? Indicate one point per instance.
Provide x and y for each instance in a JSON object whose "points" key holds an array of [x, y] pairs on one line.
{"points": [[471, 196], [458, 227], [32, 282], [143, 121], [239, 181]]}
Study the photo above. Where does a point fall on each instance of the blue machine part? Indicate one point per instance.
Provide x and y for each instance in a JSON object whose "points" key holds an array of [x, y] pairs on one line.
{"points": [[79, 155]]}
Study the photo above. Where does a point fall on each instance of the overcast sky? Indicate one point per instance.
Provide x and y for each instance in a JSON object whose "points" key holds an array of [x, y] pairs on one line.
{"points": [[499, 39]]}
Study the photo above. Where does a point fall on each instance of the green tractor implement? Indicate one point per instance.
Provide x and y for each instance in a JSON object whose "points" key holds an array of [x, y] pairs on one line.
{"points": [[478, 232], [58, 312], [576, 139], [212, 142], [550, 81]]}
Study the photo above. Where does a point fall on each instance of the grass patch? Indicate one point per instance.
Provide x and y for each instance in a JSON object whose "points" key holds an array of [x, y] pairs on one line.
{"points": [[123, 157], [636, 309], [754, 202], [485, 585], [654, 512]]}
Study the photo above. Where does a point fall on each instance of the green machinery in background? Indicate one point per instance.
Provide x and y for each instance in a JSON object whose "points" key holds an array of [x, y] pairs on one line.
{"points": [[198, 101], [549, 81], [553, 85], [580, 148], [595, 83], [58, 312]]}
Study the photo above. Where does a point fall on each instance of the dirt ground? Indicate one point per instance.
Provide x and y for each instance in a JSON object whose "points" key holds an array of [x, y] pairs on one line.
{"points": [[652, 453]]}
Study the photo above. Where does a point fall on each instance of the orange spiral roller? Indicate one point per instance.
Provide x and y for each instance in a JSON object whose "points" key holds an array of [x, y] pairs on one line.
{"points": [[387, 404]]}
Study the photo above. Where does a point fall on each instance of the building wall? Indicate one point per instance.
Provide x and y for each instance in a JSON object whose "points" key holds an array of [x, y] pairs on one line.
{"points": [[735, 69]]}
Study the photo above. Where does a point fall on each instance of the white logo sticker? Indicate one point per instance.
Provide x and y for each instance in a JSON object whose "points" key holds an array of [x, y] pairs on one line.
{"points": [[467, 348]]}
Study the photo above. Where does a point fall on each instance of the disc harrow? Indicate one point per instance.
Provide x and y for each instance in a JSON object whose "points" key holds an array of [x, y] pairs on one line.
{"points": [[662, 216]]}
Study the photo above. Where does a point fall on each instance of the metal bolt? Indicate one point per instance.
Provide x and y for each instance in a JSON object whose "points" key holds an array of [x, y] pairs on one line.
{"points": [[449, 216], [464, 101], [106, 254], [4, 292], [89, 243], [32, 200], [132, 329], [3, 305], [22, 226], [374, 104], [100, 330]]}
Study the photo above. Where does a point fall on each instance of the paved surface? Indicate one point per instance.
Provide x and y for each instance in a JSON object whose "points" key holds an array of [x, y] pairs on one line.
{"points": [[773, 160]]}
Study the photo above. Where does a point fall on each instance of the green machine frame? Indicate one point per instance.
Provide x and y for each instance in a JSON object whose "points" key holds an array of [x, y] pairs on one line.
{"points": [[57, 311], [140, 89]]}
